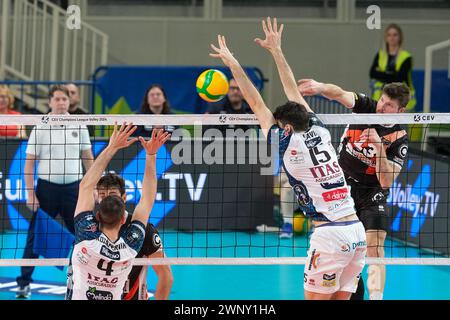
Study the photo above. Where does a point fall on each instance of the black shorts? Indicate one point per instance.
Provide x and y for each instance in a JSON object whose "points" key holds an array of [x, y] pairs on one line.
{"points": [[374, 217]]}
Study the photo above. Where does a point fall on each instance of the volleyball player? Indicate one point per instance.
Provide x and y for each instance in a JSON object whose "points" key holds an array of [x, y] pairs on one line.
{"points": [[103, 256], [371, 156], [136, 285], [338, 244]]}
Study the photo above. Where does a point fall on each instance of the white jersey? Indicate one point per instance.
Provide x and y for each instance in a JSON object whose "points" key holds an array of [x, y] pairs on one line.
{"points": [[58, 149], [312, 167], [100, 266]]}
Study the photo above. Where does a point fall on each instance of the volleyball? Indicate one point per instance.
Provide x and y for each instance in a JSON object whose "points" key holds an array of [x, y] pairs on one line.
{"points": [[212, 85], [301, 224]]}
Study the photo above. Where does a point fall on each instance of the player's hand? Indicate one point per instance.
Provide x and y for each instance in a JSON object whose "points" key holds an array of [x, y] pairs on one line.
{"points": [[120, 137], [33, 202], [159, 137], [272, 41], [309, 87], [371, 136], [223, 52]]}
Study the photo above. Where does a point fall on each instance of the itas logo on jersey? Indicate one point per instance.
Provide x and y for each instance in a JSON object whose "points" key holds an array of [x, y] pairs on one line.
{"points": [[327, 171], [113, 255], [335, 195], [94, 280], [94, 294]]}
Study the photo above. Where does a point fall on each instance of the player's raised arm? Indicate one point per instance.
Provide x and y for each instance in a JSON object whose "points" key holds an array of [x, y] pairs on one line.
{"points": [[272, 43], [149, 183], [250, 93], [118, 140], [310, 87]]}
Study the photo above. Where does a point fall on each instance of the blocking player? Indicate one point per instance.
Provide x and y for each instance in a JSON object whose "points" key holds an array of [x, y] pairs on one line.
{"points": [[371, 156], [103, 256], [338, 244], [136, 285]]}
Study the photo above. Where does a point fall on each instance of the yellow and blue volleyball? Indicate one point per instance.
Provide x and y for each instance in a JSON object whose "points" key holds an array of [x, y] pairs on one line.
{"points": [[212, 85]]}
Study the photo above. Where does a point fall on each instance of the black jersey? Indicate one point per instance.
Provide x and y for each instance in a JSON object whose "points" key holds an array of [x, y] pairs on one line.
{"points": [[136, 285], [358, 158]]}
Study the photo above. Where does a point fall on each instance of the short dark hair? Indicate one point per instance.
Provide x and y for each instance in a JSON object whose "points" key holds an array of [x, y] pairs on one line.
{"points": [[293, 113], [397, 91], [55, 88], [111, 210], [111, 181]]}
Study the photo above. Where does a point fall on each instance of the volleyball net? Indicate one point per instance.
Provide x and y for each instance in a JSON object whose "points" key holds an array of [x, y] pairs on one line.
{"points": [[220, 191]]}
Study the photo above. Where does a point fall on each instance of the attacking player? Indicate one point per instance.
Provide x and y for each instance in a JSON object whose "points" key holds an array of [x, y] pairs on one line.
{"points": [[371, 156], [103, 256], [338, 244]]}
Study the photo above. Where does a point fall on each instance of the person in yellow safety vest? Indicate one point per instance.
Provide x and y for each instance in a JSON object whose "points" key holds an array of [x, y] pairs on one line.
{"points": [[392, 64]]}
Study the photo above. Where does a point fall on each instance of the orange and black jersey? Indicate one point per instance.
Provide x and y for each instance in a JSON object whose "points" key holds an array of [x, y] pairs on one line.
{"points": [[136, 286], [358, 158]]}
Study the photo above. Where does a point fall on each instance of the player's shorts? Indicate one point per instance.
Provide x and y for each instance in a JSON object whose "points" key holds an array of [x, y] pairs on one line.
{"points": [[374, 217], [336, 257]]}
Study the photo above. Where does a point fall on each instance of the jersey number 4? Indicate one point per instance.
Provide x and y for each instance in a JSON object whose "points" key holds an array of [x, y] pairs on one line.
{"points": [[108, 270], [318, 156]]}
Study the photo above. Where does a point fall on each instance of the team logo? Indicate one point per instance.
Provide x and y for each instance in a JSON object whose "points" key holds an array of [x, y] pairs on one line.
{"points": [[335, 195], [329, 280], [293, 152], [45, 119], [92, 227], [378, 197], [94, 294], [333, 185], [312, 139], [403, 150], [344, 246], [314, 260], [303, 197], [114, 255], [156, 240]]}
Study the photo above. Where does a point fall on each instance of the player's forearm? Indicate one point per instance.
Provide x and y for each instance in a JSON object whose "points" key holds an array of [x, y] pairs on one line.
{"points": [[287, 77], [98, 167], [87, 158], [250, 93], [165, 281], [149, 183], [163, 287], [384, 169], [334, 92]]}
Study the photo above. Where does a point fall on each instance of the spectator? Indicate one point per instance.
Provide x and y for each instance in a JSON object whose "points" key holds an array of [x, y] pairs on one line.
{"points": [[74, 106], [74, 97], [392, 64], [60, 152], [6, 108], [155, 102]]}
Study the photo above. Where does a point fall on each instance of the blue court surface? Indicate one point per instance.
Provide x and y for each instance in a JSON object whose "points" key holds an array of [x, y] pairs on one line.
{"points": [[271, 282]]}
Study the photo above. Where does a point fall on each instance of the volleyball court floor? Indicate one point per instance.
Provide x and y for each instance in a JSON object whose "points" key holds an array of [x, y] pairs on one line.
{"points": [[204, 282]]}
